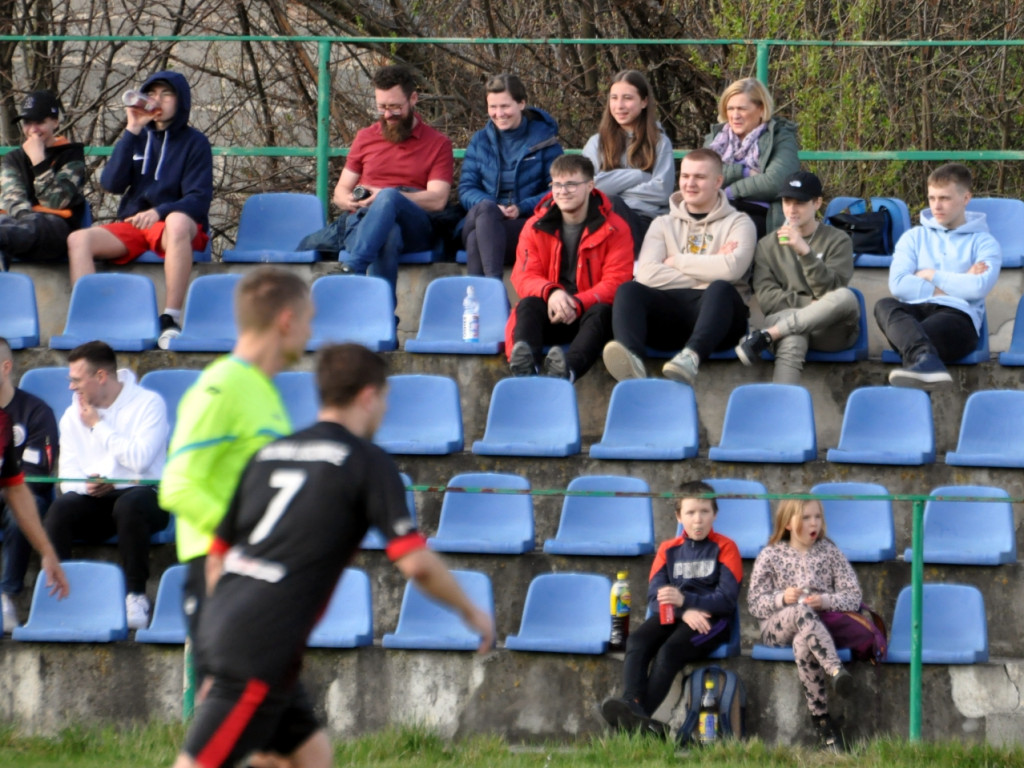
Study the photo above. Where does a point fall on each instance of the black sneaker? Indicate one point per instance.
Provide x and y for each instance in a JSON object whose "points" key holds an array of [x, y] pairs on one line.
{"points": [[842, 682], [927, 372], [555, 364], [168, 330], [522, 362], [625, 715], [828, 737], [754, 343]]}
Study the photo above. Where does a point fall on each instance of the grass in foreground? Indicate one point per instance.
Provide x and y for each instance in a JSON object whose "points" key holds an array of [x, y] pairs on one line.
{"points": [[156, 745]]}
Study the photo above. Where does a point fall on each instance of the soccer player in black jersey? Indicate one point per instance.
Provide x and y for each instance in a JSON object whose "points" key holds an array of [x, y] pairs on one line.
{"points": [[301, 509]]}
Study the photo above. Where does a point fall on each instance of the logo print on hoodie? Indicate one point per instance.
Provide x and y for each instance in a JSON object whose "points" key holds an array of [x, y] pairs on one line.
{"points": [[698, 242]]}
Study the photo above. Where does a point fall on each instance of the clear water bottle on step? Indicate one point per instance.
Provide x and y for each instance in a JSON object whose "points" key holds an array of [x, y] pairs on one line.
{"points": [[470, 316], [707, 727]]}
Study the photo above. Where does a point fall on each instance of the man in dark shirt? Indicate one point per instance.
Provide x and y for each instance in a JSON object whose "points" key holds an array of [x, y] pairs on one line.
{"points": [[303, 505], [35, 435]]}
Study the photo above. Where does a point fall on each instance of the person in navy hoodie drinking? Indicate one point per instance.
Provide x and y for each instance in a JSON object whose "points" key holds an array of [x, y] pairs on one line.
{"points": [[163, 169]]}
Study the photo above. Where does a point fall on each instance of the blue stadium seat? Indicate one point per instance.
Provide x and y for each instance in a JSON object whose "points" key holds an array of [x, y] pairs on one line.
{"points": [[209, 321], [461, 256], [991, 431], [19, 321], [113, 307], [1003, 216], [51, 385], [968, 532], [424, 416], [606, 526], [730, 648], [440, 329], [1014, 356], [748, 522], [649, 419], [374, 539], [492, 523], [428, 256], [300, 396], [272, 224], [168, 625], [954, 627], [565, 613], [424, 624], [531, 416], [348, 620], [899, 214], [863, 530], [93, 612], [355, 308], [767, 423], [763, 652], [170, 384], [886, 425], [855, 353], [981, 353], [198, 257]]}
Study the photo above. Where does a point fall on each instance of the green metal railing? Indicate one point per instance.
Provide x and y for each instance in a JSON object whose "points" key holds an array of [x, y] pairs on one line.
{"points": [[323, 151], [916, 570]]}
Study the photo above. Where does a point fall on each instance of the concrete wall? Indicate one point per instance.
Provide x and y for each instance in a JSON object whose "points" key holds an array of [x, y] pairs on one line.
{"points": [[548, 696]]}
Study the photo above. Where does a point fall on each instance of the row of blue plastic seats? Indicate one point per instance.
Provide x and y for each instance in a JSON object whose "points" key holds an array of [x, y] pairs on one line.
{"points": [[647, 419], [121, 310], [609, 515], [563, 613]]}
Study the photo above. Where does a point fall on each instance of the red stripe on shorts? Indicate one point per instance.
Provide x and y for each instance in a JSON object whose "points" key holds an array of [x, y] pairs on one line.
{"points": [[226, 736]]}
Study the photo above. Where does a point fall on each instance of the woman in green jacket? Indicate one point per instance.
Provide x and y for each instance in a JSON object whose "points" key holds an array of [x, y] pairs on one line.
{"points": [[759, 151]]}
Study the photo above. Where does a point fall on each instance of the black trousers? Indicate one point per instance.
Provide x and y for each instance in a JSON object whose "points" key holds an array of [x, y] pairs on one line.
{"points": [[705, 321], [670, 648], [131, 513], [914, 330], [586, 336], [490, 239]]}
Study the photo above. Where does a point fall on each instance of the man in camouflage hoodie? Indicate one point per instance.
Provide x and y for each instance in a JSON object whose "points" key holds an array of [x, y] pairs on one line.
{"points": [[40, 185]]}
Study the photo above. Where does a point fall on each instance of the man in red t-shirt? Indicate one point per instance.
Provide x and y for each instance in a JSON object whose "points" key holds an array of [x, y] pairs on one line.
{"points": [[398, 171], [23, 507]]}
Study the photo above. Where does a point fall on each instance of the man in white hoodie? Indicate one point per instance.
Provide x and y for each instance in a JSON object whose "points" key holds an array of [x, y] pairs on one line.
{"points": [[691, 287], [113, 429], [941, 272]]}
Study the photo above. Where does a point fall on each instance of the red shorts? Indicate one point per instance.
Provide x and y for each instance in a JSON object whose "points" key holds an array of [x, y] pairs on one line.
{"points": [[138, 241]]}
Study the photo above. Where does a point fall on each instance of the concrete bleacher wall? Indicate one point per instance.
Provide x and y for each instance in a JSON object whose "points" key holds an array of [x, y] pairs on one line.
{"points": [[536, 696]]}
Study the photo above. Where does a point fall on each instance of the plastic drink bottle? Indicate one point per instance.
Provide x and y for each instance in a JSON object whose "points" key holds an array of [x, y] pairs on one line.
{"points": [[470, 316], [139, 100], [620, 602], [707, 724], [784, 238]]}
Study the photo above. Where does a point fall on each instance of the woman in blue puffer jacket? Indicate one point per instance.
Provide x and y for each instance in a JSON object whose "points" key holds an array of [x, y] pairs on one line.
{"points": [[504, 175]]}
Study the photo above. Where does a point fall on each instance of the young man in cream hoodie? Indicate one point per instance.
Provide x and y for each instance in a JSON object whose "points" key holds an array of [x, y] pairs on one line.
{"points": [[691, 288]]}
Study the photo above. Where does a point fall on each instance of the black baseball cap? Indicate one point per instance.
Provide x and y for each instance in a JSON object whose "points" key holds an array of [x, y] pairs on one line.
{"points": [[38, 106], [802, 185]]}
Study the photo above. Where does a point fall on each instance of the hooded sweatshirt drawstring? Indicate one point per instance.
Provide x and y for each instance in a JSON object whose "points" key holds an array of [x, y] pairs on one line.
{"points": [[145, 155]]}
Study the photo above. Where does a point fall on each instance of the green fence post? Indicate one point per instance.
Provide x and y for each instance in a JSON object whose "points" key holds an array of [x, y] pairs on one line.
{"points": [[762, 62], [323, 122], [916, 610]]}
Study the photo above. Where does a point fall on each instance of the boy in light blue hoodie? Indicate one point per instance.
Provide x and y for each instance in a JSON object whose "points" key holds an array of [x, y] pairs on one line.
{"points": [[940, 274]]}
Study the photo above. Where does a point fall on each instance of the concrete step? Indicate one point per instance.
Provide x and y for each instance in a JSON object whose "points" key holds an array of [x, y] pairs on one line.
{"points": [[525, 697]]}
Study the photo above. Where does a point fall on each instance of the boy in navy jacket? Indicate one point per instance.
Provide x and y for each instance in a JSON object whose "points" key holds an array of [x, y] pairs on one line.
{"points": [[163, 169], [698, 574]]}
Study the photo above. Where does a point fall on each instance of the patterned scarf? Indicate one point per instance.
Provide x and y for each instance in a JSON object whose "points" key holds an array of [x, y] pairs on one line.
{"points": [[732, 150]]}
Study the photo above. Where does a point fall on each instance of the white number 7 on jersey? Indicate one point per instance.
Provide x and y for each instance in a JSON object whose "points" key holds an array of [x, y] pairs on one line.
{"points": [[289, 481]]}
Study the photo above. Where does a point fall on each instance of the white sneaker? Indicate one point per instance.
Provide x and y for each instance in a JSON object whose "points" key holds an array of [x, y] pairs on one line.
{"points": [[10, 613], [136, 607], [683, 367], [621, 363], [168, 330]]}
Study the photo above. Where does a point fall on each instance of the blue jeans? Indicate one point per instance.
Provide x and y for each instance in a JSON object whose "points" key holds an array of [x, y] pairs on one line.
{"points": [[375, 236], [16, 549]]}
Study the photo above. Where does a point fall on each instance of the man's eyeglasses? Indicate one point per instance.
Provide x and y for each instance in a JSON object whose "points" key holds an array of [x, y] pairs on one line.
{"points": [[567, 186], [390, 109]]}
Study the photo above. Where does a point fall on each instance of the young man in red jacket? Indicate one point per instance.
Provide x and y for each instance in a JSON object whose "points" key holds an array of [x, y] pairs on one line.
{"points": [[573, 253]]}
